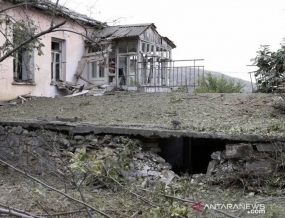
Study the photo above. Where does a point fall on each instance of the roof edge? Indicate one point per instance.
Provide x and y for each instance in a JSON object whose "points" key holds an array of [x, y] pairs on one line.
{"points": [[43, 5]]}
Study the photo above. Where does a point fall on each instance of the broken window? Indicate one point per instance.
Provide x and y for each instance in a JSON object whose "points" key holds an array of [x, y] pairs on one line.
{"points": [[22, 66], [56, 60], [127, 47], [97, 71], [22, 58]]}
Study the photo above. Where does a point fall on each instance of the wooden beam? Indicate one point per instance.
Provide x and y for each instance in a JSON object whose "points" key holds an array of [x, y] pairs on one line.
{"points": [[84, 79], [80, 66]]}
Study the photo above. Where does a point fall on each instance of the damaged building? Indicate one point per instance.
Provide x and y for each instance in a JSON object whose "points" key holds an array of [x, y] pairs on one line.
{"points": [[91, 54], [135, 57]]}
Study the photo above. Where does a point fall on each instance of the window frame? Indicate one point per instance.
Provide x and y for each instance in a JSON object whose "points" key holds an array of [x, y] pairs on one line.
{"points": [[60, 62], [23, 66], [98, 70]]}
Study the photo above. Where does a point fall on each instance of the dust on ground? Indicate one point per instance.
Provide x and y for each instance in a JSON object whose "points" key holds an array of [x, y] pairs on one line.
{"points": [[234, 114], [20, 192]]}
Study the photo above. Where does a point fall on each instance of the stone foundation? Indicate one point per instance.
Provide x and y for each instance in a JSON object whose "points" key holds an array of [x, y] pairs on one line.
{"points": [[43, 151], [248, 159]]}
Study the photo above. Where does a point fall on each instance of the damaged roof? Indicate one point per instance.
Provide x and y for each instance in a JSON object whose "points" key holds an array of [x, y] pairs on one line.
{"points": [[124, 31], [47, 6]]}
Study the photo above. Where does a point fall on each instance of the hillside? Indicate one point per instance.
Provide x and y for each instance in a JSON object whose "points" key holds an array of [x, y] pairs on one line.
{"points": [[188, 73], [247, 84]]}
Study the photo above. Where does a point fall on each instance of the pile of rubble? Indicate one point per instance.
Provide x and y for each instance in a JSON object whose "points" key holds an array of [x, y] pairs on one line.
{"points": [[247, 160], [40, 151], [138, 162]]}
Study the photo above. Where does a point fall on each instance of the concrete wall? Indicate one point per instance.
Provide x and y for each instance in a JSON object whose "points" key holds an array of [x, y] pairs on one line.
{"points": [[42, 64]]}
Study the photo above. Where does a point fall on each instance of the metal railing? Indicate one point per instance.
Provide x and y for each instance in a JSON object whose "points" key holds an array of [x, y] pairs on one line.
{"points": [[164, 74]]}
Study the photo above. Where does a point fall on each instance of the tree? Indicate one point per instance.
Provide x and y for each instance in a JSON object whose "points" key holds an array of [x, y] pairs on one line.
{"points": [[218, 84], [25, 34], [270, 75]]}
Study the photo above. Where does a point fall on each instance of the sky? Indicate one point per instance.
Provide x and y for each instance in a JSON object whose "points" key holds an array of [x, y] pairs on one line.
{"points": [[226, 33]]}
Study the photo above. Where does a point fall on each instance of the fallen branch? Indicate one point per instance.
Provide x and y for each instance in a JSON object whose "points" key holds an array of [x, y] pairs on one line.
{"points": [[16, 48], [190, 201], [271, 199], [64, 213], [15, 213], [54, 189], [22, 98], [134, 214], [135, 194], [221, 95]]}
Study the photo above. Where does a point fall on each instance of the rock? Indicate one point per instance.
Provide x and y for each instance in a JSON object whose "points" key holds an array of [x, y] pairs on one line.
{"points": [[107, 139], [64, 143], [18, 130], [125, 174], [25, 132], [250, 194], [238, 151], [33, 134], [270, 147], [94, 142], [13, 140], [227, 167], [139, 155], [112, 145], [146, 167], [260, 167], [91, 138], [165, 166], [211, 167], [197, 178], [167, 176], [153, 173], [158, 159], [141, 173], [78, 138], [144, 183], [216, 155], [2, 130]]}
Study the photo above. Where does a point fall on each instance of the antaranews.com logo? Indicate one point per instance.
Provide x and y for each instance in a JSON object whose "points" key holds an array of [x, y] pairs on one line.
{"points": [[251, 208]]}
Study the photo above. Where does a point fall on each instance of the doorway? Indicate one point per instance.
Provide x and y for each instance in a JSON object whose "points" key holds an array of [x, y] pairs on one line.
{"points": [[127, 70]]}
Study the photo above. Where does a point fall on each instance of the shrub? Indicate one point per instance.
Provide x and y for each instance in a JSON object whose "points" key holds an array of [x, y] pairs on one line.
{"points": [[218, 84]]}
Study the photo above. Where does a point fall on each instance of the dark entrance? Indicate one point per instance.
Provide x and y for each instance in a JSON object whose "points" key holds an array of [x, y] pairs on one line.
{"points": [[189, 155]]}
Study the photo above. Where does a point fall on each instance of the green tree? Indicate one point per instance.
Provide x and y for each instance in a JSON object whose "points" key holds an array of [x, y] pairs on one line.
{"points": [[270, 74], [218, 84]]}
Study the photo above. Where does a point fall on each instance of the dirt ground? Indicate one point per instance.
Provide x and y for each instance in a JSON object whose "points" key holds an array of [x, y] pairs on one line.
{"points": [[17, 191], [235, 114], [243, 113]]}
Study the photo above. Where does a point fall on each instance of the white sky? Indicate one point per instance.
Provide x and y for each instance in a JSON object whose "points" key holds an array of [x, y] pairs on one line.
{"points": [[226, 33]]}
